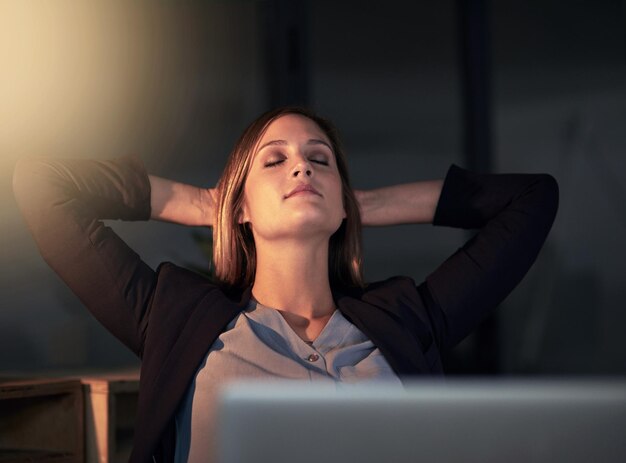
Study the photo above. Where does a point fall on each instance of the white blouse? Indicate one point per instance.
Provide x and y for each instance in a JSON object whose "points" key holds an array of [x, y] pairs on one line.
{"points": [[259, 343]]}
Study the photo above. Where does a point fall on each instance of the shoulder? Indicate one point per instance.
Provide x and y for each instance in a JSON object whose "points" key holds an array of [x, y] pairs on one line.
{"points": [[398, 295], [181, 287], [179, 275], [181, 295], [392, 289]]}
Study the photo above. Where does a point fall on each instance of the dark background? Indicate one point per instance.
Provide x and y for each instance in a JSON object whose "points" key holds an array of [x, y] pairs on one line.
{"points": [[176, 82]]}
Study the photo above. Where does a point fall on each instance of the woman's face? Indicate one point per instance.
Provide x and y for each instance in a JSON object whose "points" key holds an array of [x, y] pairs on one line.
{"points": [[293, 188]]}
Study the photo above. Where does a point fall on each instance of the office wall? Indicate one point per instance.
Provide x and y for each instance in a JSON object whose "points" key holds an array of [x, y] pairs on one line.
{"points": [[177, 82]]}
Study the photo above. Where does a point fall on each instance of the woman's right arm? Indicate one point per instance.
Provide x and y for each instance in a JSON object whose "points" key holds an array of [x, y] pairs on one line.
{"points": [[63, 203], [181, 203]]}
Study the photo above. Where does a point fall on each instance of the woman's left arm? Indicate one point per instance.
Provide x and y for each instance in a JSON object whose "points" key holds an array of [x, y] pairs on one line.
{"points": [[398, 204], [513, 214]]}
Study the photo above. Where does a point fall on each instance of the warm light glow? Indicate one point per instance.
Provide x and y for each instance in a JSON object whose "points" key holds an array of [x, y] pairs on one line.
{"points": [[82, 79], [70, 71]]}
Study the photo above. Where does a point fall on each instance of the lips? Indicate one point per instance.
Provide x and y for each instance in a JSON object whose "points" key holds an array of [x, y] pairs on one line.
{"points": [[303, 188]]}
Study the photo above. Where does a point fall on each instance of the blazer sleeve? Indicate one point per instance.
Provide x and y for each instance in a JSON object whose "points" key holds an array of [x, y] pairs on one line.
{"points": [[514, 213], [63, 203]]}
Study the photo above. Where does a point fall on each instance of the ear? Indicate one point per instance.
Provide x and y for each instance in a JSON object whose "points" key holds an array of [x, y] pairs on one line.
{"points": [[243, 215]]}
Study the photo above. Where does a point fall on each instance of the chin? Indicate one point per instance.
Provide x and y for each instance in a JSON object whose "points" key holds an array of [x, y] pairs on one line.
{"points": [[313, 229], [305, 227], [316, 222], [301, 223]]}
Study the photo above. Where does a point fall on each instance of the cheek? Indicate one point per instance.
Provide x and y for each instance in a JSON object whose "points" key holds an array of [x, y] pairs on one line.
{"points": [[256, 202], [339, 195]]}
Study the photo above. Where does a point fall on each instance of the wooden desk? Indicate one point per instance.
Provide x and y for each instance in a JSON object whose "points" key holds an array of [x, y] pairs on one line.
{"points": [[110, 409]]}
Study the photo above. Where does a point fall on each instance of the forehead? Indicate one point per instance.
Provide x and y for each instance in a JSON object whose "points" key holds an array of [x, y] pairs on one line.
{"points": [[293, 128]]}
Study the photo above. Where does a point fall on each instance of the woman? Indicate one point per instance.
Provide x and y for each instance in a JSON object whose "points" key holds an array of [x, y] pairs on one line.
{"points": [[290, 301]]}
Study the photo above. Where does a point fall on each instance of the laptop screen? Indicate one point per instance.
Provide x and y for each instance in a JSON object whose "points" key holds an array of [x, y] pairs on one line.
{"points": [[426, 421]]}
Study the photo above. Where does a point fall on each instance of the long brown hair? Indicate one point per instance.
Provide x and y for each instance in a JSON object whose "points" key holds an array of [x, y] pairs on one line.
{"points": [[234, 252]]}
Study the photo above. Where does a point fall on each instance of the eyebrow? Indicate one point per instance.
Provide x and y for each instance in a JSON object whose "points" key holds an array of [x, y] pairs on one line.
{"points": [[312, 141]]}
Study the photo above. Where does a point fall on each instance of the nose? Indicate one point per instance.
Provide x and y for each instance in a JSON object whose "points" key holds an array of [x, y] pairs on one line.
{"points": [[302, 168]]}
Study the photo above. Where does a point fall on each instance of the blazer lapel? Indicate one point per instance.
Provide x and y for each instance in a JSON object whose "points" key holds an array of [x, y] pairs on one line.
{"points": [[162, 394], [386, 330]]}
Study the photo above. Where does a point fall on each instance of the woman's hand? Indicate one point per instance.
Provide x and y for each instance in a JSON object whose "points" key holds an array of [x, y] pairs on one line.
{"points": [[407, 203], [181, 203]]}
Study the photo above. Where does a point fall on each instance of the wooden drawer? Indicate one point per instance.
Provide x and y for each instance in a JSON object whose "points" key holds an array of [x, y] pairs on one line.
{"points": [[41, 421]]}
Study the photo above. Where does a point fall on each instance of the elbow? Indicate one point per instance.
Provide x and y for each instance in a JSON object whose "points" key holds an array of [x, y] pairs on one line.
{"points": [[550, 189], [22, 180], [31, 186], [545, 203]]}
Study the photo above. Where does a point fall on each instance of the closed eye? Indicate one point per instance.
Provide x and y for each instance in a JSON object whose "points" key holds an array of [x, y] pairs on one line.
{"points": [[273, 163], [320, 161]]}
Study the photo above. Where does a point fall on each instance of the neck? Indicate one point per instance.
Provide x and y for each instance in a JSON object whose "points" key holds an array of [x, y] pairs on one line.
{"points": [[292, 276]]}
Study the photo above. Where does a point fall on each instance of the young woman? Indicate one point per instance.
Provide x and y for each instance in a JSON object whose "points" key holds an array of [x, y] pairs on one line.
{"points": [[290, 301]]}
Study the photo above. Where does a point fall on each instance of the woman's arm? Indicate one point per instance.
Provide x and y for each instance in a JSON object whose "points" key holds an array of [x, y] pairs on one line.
{"points": [[513, 214], [181, 203], [398, 204], [63, 203]]}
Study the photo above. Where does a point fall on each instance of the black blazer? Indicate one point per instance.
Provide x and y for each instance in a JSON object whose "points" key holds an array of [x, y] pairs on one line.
{"points": [[171, 316]]}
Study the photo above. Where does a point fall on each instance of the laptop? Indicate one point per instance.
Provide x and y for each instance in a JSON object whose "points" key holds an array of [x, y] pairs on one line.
{"points": [[477, 420]]}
